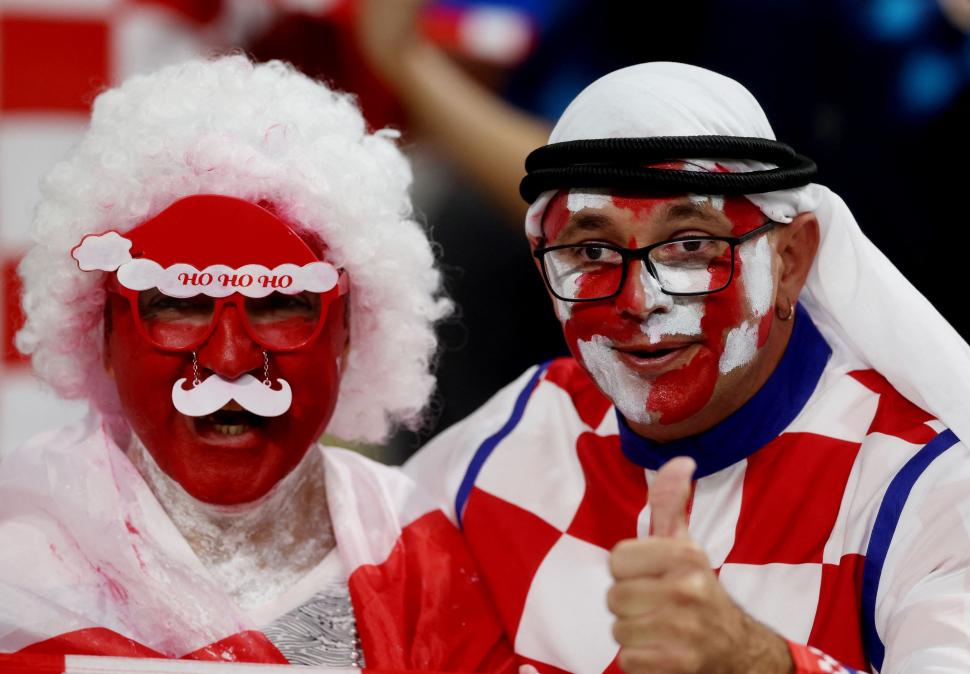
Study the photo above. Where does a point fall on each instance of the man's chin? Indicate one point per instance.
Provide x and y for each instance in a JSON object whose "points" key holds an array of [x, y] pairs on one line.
{"points": [[220, 486]]}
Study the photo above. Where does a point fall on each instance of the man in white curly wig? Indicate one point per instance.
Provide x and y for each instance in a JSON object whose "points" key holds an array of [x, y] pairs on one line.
{"points": [[225, 267], [755, 460]]}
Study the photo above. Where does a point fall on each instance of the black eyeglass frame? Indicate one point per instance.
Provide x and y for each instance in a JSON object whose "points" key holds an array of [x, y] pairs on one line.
{"points": [[642, 254]]}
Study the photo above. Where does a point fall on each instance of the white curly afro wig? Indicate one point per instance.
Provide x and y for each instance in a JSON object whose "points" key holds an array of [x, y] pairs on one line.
{"points": [[262, 133]]}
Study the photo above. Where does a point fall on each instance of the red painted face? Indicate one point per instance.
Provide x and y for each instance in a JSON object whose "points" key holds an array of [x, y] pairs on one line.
{"points": [[663, 359], [230, 456]]}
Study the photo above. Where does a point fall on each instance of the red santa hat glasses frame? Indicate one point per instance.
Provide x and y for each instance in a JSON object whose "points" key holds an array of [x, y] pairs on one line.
{"points": [[167, 150]]}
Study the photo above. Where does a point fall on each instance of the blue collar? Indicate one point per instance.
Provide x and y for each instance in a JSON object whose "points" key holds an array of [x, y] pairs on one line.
{"points": [[757, 422]]}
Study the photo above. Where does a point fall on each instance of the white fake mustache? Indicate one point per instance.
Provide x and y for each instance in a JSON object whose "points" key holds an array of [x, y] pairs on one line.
{"points": [[215, 392]]}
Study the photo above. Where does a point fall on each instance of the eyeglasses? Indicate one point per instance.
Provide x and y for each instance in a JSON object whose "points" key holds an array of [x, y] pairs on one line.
{"points": [[277, 322], [686, 266]]}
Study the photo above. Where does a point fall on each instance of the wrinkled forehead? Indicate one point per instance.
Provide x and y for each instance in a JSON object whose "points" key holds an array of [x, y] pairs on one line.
{"points": [[205, 230]]}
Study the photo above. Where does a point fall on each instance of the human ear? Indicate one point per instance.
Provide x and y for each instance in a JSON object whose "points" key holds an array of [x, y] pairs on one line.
{"points": [[797, 244]]}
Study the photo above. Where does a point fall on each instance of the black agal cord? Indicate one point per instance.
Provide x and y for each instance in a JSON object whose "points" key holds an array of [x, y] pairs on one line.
{"points": [[620, 163]]}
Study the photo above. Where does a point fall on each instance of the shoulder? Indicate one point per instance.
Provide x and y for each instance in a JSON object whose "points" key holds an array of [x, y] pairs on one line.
{"points": [[860, 406], [545, 400], [59, 524], [52, 446], [360, 487], [533, 420]]}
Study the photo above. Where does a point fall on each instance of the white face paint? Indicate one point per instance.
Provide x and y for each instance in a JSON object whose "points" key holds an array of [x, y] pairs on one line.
{"points": [[627, 390], [740, 347], [682, 316], [741, 344], [716, 202], [756, 272], [581, 199]]}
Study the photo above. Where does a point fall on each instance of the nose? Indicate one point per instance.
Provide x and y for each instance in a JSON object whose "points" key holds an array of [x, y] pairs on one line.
{"points": [[641, 294], [230, 352]]}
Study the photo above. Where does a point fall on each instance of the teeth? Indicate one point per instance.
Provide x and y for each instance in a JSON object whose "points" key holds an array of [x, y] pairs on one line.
{"points": [[230, 429]]}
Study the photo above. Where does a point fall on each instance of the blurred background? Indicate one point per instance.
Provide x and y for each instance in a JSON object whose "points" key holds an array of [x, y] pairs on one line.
{"points": [[876, 91]]}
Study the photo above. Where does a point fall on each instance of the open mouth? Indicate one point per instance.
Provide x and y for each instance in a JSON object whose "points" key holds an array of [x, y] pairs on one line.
{"points": [[232, 421], [647, 355], [653, 360]]}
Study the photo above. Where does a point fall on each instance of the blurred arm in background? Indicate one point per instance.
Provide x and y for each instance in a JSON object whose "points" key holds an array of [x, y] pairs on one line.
{"points": [[482, 134]]}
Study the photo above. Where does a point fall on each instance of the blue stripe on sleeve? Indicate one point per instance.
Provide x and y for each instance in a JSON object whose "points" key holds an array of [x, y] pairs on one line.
{"points": [[882, 536], [485, 449]]}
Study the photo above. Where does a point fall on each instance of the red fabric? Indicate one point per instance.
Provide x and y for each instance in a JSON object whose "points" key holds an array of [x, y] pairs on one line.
{"points": [[809, 660], [837, 628], [31, 664], [614, 667], [770, 505], [509, 544], [56, 664], [895, 415], [251, 646], [616, 492], [91, 641], [52, 64], [425, 607]]}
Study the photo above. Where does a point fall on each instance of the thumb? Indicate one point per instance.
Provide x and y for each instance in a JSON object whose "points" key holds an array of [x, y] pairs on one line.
{"points": [[668, 498]]}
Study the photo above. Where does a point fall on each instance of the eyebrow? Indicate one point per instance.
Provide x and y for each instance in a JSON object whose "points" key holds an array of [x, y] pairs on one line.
{"points": [[587, 222], [686, 210]]}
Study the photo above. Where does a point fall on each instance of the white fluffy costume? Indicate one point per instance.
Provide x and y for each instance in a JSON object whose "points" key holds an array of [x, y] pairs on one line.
{"points": [[90, 560], [833, 505]]}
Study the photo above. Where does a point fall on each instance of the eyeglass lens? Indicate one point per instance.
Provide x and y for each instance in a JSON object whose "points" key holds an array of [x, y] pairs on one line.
{"points": [[275, 321], [681, 267]]}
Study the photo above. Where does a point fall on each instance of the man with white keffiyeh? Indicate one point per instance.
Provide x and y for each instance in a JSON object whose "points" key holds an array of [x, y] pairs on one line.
{"points": [[752, 462]]}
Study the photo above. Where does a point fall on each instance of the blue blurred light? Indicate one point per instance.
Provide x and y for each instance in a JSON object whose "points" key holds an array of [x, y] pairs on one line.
{"points": [[928, 82], [541, 11], [899, 20]]}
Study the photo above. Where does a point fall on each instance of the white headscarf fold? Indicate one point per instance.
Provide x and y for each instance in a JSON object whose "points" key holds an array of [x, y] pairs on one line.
{"points": [[855, 295]]}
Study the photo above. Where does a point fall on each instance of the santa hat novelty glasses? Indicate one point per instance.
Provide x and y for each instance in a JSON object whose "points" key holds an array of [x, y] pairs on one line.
{"points": [[179, 269]]}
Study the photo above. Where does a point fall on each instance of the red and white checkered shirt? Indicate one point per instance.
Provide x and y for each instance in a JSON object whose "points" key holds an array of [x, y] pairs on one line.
{"points": [[833, 510]]}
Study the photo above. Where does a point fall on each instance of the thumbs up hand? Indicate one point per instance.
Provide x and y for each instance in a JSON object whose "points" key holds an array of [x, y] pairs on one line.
{"points": [[672, 614]]}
